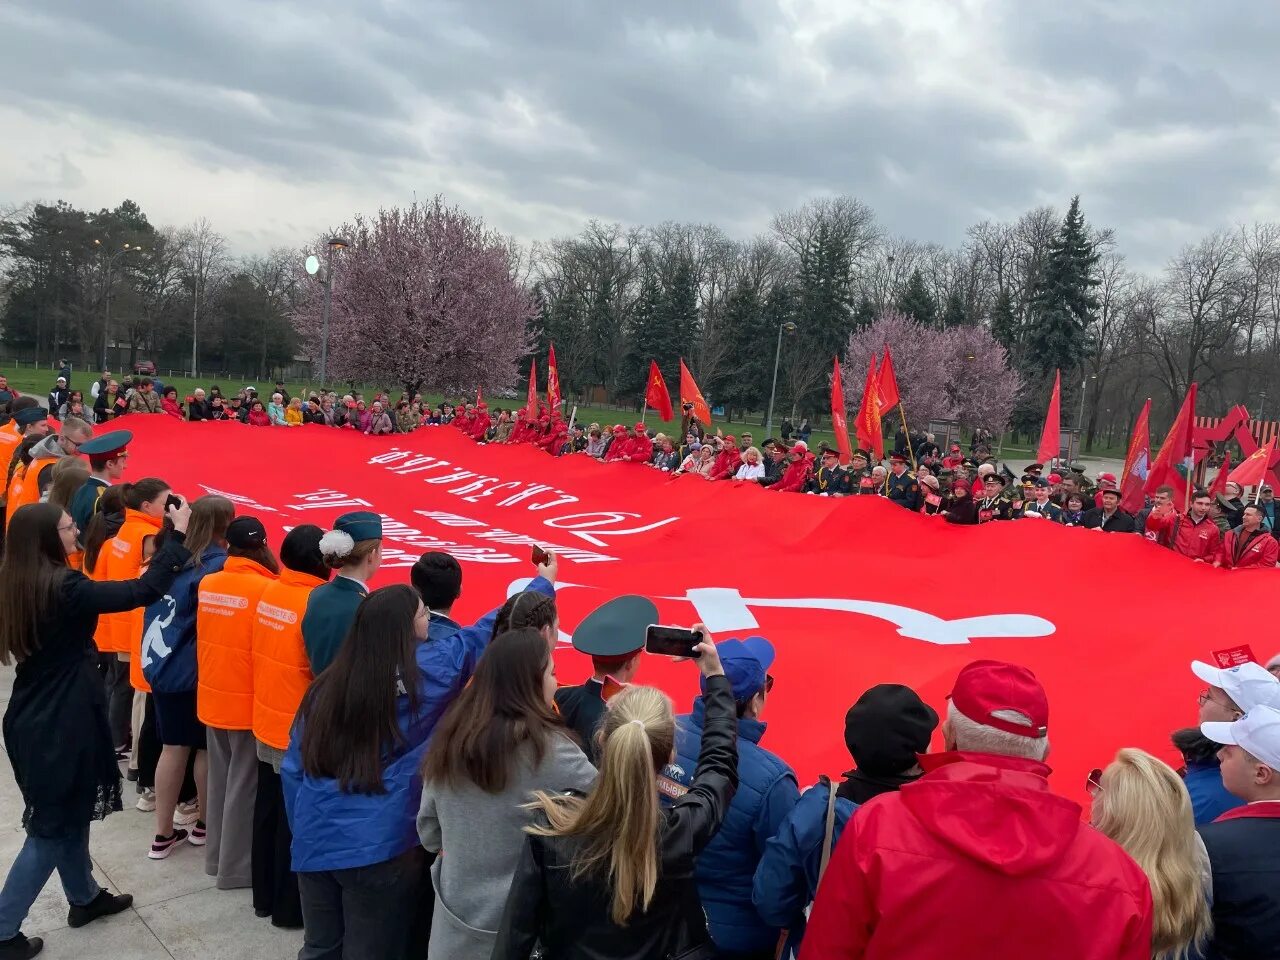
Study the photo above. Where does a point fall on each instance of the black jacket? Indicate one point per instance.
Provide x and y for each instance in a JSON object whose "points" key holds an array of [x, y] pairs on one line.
{"points": [[55, 728], [198, 410], [571, 917], [1244, 854], [1120, 522]]}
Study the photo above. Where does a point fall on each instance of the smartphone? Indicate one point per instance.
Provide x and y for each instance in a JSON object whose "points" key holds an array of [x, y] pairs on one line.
{"points": [[672, 641], [172, 501], [539, 556]]}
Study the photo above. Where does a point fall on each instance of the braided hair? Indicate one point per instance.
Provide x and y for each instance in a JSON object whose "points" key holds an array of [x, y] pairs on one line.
{"points": [[526, 609]]}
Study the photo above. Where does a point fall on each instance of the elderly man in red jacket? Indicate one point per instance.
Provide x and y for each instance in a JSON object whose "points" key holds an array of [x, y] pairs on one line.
{"points": [[640, 446], [479, 429], [727, 460], [1249, 545], [798, 470], [977, 859], [620, 449]]}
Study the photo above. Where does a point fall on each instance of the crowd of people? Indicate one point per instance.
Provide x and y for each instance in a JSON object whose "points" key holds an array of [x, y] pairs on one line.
{"points": [[397, 783]]}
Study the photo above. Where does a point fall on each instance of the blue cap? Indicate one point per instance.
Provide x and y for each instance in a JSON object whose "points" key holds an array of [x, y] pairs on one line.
{"points": [[361, 525], [746, 664], [30, 415]]}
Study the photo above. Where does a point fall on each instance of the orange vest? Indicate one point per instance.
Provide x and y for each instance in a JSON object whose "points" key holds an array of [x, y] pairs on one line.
{"points": [[281, 673], [24, 488], [224, 636], [121, 559]]}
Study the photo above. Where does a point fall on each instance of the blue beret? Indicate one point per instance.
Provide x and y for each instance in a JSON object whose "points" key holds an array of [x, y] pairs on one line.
{"points": [[361, 525], [30, 415]]}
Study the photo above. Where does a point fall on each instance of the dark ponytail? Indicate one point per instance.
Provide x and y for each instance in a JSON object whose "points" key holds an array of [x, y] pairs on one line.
{"points": [[144, 491]]}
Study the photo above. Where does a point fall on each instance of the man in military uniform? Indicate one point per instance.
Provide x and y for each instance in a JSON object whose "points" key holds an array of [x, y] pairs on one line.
{"points": [[901, 486], [993, 505], [831, 480], [107, 459], [860, 481], [612, 635], [1041, 505]]}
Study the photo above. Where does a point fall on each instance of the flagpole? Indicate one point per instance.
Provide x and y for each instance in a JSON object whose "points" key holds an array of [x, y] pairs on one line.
{"points": [[902, 412], [573, 417]]}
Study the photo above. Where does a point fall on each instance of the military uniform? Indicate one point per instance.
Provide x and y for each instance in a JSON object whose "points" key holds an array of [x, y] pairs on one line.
{"points": [[859, 479], [994, 508], [832, 481], [902, 488], [84, 503], [614, 629], [331, 607]]}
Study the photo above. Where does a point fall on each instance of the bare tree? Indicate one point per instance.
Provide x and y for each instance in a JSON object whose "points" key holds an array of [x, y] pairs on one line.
{"points": [[205, 261]]}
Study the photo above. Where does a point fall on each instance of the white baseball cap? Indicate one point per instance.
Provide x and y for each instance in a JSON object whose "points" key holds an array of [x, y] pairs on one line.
{"points": [[1258, 731], [1249, 685]]}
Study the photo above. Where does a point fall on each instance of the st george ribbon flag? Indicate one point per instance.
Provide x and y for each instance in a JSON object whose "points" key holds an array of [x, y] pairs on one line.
{"points": [[853, 591]]}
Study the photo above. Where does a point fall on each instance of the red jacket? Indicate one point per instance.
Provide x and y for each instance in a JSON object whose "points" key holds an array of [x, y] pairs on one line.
{"points": [[796, 474], [479, 426], [727, 462], [1261, 551], [977, 859], [639, 449], [620, 449], [1199, 541]]}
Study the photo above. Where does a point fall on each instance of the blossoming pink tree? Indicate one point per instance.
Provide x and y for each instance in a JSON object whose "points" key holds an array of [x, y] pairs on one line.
{"points": [[423, 296], [955, 374]]}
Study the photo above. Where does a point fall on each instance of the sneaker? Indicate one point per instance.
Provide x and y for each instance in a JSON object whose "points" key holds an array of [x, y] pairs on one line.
{"points": [[186, 814], [103, 905], [198, 837], [161, 847], [19, 947], [131, 774], [147, 802]]}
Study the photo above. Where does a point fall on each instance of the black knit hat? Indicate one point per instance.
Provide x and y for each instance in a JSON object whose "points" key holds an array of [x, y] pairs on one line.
{"points": [[887, 727], [300, 551]]}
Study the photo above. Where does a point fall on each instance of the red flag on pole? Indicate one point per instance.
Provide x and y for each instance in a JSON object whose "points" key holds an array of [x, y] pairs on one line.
{"points": [[1252, 471], [553, 381], [1137, 463], [1051, 435], [656, 394], [1220, 481], [1176, 459], [888, 383], [838, 424], [689, 393], [531, 408], [479, 398], [870, 432]]}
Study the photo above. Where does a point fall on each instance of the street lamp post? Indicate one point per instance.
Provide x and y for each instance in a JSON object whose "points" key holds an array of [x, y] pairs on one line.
{"points": [[335, 243], [1262, 404], [1080, 420], [108, 263], [785, 327]]}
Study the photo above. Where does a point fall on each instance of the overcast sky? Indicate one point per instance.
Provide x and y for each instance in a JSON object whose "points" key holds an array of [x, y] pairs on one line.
{"points": [[276, 120]]}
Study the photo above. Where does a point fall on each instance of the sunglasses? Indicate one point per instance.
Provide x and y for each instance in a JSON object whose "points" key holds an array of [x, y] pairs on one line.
{"points": [[1093, 783]]}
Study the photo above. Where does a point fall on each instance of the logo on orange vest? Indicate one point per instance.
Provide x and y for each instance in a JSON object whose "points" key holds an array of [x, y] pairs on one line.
{"points": [[282, 614], [224, 600]]}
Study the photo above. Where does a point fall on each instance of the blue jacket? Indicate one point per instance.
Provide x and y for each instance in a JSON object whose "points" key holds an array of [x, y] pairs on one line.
{"points": [[333, 830], [1244, 854], [725, 870], [787, 877], [169, 631], [1209, 798]]}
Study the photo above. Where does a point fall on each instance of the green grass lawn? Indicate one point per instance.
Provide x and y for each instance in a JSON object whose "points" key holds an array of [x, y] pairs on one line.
{"points": [[39, 382]]}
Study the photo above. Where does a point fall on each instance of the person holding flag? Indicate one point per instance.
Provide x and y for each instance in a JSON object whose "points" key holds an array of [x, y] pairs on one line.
{"points": [[697, 415]]}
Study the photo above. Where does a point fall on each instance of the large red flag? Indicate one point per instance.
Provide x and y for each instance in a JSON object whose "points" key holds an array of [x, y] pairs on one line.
{"points": [[1137, 463], [870, 431], [1051, 435], [689, 393], [1251, 472], [838, 424], [656, 394], [553, 381], [1176, 459], [887, 380], [1224, 474], [531, 408]]}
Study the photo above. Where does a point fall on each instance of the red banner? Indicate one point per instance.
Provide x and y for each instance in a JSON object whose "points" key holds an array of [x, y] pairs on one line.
{"points": [[689, 393], [553, 381], [1251, 472], [838, 424], [887, 381], [531, 405], [1051, 434], [1137, 463], [1116, 671], [1176, 459], [869, 427], [656, 394]]}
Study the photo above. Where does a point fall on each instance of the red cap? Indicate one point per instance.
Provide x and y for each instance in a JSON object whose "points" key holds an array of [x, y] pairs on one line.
{"points": [[641, 426], [985, 686], [1107, 478], [1055, 478], [617, 429]]}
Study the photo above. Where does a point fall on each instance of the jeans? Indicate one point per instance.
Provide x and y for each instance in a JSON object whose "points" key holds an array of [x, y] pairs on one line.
{"points": [[364, 913], [36, 861]]}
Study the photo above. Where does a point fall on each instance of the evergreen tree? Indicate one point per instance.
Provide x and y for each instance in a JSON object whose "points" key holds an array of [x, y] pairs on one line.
{"points": [[953, 311], [864, 315], [1004, 322], [824, 302], [780, 306], [751, 347], [917, 302], [1062, 300]]}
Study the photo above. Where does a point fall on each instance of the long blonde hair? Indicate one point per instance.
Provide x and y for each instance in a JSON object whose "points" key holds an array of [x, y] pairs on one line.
{"points": [[1144, 806], [618, 823]]}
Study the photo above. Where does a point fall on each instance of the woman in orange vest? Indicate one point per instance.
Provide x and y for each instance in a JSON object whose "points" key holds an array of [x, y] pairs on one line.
{"points": [[124, 556], [281, 675], [103, 526], [225, 617]]}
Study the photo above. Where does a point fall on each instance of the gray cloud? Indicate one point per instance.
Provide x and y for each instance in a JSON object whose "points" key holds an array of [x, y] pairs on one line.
{"points": [[539, 115]]}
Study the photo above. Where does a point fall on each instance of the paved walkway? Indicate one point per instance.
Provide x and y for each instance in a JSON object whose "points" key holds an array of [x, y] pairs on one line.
{"points": [[176, 912]]}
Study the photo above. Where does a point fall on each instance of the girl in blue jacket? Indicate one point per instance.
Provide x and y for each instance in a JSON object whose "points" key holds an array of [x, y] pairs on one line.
{"points": [[169, 664]]}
